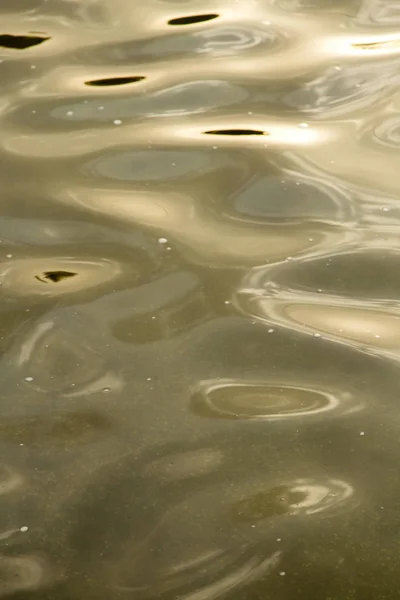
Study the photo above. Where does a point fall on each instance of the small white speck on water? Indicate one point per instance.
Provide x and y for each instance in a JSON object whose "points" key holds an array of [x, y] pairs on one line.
{"points": [[117, 122], [9, 255], [227, 302], [337, 68], [106, 389], [162, 240], [153, 317], [385, 209], [215, 147], [24, 528], [29, 379], [317, 335], [33, 66], [21, 444], [278, 539], [253, 526], [377, 337], [319, 290], [282, 573], [173, 164], [250, 112], [310, 239], [101, 108], [289, 258], [270, 330], [34, 112], [168, 248], [70, 113], [362, 432], [149, 379], [303, 125]]}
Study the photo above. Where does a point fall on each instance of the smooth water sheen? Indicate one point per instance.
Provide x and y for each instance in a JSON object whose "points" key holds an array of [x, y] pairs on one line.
{"points": [[200, 319]]}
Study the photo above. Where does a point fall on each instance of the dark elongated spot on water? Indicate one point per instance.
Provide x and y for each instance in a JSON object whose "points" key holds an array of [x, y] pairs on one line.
{"points": [[20, 42], [235, 132], [191, 19], [54, 276], [115, 81]]}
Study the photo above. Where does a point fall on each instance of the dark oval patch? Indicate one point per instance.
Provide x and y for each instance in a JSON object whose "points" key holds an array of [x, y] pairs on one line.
{"points": [[191, 19], [20, 42], [235, 132], [115, 81], [54, 276]]}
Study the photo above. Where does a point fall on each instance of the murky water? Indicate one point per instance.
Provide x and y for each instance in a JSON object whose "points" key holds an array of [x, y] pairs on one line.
{"points": [[200, 323]]}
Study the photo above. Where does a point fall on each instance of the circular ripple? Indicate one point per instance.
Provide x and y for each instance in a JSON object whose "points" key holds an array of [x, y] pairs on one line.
{"points": [[269, 199], [52, 277], [149, 165], [339, 89], [388, 133], [182, 465], [22, 573], [54, 358], [80, 427], [345, 275], [360, 327], [10, 480], [354, 325], [300, 497], [149, 544], [182, 99], [228, 40], [333, 296], [217, 41], [379, 13], [232, 400]]}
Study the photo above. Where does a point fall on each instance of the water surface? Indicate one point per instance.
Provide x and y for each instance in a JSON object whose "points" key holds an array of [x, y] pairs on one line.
{"points": [[200, 323]]}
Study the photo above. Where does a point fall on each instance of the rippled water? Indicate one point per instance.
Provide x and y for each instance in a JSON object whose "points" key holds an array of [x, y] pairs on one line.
{"points": [[200, 329]]}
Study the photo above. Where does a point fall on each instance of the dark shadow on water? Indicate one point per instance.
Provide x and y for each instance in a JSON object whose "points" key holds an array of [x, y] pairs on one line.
{"points": [[190, 20], [20, 42], [235, 132], [113, 81]]}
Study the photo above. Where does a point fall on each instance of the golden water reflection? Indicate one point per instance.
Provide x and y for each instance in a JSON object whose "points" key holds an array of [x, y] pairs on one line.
{"points": [[199, 257]]}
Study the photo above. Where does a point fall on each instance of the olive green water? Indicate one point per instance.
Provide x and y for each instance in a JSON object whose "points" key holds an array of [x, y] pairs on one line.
{"points": [[200, 285]]}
